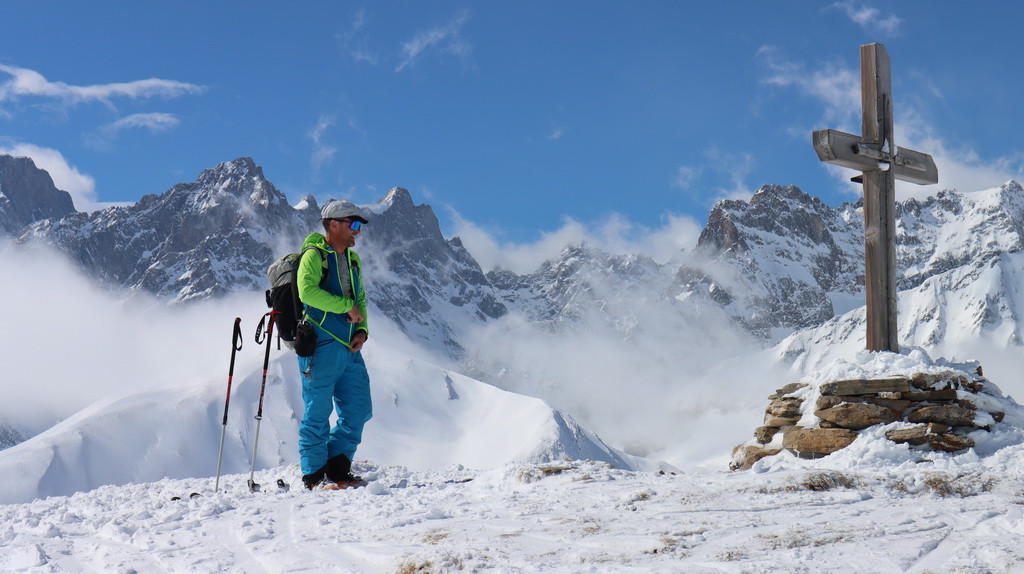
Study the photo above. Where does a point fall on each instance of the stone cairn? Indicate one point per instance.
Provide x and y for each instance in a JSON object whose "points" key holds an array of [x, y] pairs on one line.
{"points": [[943, 409]]}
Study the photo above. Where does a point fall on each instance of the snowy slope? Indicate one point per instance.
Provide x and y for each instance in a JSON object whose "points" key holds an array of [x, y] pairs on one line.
{"points": [[966, 313], [576, 517], [424, 417]]}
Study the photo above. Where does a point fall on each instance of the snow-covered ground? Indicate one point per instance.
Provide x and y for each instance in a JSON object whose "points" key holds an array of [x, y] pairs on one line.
{"points": [[960, 515]]}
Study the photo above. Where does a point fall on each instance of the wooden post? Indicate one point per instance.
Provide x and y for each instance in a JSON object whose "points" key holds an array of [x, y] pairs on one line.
{"points": [[879, 203], [881, 164]]}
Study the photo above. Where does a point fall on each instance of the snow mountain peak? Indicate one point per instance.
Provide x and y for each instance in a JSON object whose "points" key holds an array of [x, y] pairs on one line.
{"points": [[398, 196], [240, 178], [774, 209], [1012, 186], [308, 204]]}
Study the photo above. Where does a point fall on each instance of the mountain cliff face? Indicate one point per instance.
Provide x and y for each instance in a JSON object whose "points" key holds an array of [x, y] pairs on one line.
{"points": [[27, 195], [954, 229], [430, 286], [778, 262]]}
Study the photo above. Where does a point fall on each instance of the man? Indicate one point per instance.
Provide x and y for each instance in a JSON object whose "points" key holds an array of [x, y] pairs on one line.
{"points": [[331, 290]]}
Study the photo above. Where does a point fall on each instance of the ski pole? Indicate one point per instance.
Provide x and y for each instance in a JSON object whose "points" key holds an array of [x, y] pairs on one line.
{"points": [[253, 486], [236, 345]]}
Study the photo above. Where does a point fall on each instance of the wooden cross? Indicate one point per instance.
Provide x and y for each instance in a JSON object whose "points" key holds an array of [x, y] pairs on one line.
{"points": [[882, 163]]}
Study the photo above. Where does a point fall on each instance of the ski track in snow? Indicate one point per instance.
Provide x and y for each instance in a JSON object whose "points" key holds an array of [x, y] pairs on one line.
{"points": [[569, 516]]}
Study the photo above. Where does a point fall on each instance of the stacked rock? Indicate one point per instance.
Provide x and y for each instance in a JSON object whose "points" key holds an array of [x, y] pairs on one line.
{"points": [[940, 409]]}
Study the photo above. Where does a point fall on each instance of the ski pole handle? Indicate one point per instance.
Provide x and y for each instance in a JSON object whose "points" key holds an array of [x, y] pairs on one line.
{"points": [[236, 338], [259, 329]]}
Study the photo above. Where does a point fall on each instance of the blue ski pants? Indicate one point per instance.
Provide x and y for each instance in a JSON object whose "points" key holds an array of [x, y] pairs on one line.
{"points": [[333, 376]]}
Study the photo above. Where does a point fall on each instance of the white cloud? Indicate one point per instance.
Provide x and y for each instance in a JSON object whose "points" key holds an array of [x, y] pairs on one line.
{"points": [[65, 176], [737, 167], [616, 234], [686, 177], [355, 41], [870, 19], [154, 122], [556, 134], [834, 84], [730, 168], [29, 83], [322, 152], [837, 88], [676, 234], [520, 258], [129, 345], [960, 167], [446, 39]]}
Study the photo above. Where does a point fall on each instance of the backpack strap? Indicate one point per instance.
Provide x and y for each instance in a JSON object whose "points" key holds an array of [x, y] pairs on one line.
{"points": [[299, 313]]}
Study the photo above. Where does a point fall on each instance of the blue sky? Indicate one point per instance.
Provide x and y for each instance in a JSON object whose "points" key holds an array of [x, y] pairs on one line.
{"points": [[524, 124]]}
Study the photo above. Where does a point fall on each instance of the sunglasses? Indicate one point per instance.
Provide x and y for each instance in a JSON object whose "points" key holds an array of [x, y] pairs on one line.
{"points": [[350, 223]]}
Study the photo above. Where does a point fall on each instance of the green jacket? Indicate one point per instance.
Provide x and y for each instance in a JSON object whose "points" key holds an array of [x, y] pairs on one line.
{"points": [[330, 284]]}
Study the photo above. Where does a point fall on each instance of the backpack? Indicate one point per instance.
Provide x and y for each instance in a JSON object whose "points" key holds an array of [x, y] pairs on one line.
{"points": [[283, 295]]}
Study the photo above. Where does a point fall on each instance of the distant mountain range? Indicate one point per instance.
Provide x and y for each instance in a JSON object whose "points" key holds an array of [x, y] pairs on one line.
{"points": [[781, 262]]}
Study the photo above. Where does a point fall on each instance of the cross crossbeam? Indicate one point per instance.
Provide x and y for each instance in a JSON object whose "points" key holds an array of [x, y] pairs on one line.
{"points": [[856, 152]]}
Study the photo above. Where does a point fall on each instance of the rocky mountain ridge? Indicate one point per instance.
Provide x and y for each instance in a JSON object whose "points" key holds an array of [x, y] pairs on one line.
{"points": [[785, 261], [781, 262], [778, 262], [219, 234]]}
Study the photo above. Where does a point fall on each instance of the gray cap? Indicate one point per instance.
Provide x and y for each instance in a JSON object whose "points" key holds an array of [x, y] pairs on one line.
{"points": [[338, 209]]}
